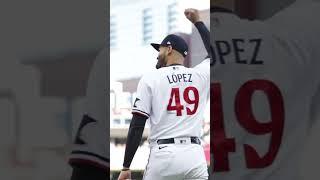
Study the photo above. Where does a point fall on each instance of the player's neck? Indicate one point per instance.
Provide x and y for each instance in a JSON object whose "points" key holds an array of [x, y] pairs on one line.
{"points": [[175, 62]]}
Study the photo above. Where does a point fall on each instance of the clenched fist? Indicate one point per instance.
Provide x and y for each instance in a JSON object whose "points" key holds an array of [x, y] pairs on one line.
{"points": [[192, 15]]}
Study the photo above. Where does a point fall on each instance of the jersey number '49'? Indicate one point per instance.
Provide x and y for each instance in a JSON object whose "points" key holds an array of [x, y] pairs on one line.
{"points": [[222, 145], [177, 106]]}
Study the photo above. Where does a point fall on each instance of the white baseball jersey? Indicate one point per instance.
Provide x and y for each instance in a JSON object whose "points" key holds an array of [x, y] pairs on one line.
{"points": [[92, 139], [174, 99], [265, 78]]}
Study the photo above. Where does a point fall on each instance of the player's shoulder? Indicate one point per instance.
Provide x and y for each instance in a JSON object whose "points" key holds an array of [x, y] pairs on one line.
{"points": [[204, 65]]}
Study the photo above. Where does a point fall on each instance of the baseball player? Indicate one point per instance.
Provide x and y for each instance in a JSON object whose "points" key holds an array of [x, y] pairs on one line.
{"points": [[90, 154], [173, 98], [265, 77]]}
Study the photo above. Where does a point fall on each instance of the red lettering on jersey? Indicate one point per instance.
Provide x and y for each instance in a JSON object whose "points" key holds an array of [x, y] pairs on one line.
{"points": [[195, 101], [175, 95], [246, 118], [220, 144], [177, 107]]}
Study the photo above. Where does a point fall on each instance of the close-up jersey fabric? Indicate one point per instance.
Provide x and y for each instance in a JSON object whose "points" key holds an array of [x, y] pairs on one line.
{"points": [[265, 77]]}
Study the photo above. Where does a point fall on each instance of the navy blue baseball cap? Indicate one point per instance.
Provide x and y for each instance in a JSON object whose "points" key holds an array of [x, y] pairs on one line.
{"points": [[176, 42]]}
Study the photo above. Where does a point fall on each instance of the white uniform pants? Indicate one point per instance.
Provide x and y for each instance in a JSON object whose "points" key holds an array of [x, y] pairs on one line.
{"points": [[176, 162]]}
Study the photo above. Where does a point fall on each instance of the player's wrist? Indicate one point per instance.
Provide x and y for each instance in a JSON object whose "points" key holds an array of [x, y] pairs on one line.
{"points": [[125, 169], [198, 21]]}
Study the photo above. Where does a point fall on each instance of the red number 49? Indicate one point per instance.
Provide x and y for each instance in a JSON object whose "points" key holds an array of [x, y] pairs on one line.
{"points": [[177, 106], [222, 146]]}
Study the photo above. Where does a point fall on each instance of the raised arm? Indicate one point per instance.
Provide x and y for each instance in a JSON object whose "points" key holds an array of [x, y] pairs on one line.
{"points": [[193, 16]]}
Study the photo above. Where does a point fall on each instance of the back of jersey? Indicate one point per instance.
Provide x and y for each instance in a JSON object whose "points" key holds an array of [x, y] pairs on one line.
{"points": [[261, 100], [174, 98]]}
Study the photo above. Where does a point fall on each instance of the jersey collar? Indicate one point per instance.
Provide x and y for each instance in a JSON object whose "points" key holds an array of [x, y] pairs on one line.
{"points": [[217, 9]]}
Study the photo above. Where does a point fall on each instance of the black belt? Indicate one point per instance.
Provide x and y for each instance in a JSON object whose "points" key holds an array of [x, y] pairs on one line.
{"points": [[194, 140]]}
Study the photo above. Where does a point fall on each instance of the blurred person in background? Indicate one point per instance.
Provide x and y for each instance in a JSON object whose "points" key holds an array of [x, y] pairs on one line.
{"points": [[90, 154]]}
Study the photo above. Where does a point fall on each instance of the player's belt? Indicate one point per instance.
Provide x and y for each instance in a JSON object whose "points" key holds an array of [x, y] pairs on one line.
{"points": [[194, 140]]}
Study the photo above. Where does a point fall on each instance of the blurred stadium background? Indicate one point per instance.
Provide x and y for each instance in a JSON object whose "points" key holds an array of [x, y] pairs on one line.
{"points": [[133, 26]]}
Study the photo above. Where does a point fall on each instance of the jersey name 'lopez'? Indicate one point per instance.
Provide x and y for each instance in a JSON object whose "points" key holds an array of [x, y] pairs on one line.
{"points": [[244, 51], [175, 78]]}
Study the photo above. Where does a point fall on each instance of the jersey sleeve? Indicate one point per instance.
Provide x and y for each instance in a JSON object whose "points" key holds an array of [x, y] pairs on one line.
{"points": [[90, 144], [142, 103], [205, 36]]}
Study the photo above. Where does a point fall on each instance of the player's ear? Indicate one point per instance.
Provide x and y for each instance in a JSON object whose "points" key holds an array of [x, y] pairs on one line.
{"points": [[169, 49]]}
